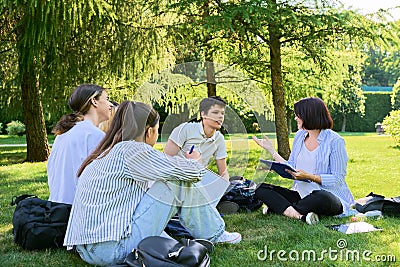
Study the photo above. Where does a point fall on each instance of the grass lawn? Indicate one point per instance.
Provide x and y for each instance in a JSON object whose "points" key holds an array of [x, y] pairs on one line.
{"points": [[270, 240], [14, 139]]}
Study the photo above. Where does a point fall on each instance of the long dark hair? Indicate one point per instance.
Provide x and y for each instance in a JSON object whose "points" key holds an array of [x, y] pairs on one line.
{"points": [[79, 102], [131, 120]]}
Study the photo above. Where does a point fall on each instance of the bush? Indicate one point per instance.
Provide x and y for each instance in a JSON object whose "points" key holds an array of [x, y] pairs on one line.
{"points": [[395, 98], [1, 127], [15, 128], [392, 125]]}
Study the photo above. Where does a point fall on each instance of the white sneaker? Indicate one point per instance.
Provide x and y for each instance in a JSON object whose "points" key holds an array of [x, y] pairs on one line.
{"points": [[312, 218], [227, 237], [265, 210]]}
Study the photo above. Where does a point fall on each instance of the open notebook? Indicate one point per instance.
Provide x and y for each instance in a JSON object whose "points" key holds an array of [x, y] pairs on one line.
{"points": [[355, 227], [214, 186]]}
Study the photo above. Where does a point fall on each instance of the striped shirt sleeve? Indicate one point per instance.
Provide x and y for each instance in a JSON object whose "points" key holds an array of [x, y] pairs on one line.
{"points": [[148, 164], [337, 163]]}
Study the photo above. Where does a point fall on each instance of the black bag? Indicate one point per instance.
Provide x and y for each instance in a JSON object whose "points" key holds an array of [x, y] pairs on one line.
{"points": [[388, 206], [157, 251], [38, 223], [242, 193]]}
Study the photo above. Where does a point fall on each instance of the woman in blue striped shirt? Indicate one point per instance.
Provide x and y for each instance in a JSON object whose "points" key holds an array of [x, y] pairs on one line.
{"points": [[113, 210], [320, 159]]}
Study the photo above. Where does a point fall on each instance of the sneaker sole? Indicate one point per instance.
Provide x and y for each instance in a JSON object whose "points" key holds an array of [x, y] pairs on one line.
{"points": [[265, 210], [234, 241], [312, 219]]}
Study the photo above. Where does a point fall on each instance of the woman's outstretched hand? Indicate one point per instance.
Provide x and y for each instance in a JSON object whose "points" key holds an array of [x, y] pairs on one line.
{"points": [[265, 143]]}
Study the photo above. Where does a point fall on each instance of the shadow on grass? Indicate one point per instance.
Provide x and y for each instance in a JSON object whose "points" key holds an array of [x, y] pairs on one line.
{"points": [[12, 139], [274, 232], [12, 155], [356, 133], [11, 186], [395, 147]]}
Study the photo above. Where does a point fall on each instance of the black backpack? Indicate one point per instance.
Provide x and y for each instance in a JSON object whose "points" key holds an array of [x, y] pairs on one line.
{"points": [[160, 251], [38, 223], [241, 193], [388, 206]]}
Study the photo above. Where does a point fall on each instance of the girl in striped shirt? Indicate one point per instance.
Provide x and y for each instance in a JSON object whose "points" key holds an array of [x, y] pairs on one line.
{"points": [[114, 210]]}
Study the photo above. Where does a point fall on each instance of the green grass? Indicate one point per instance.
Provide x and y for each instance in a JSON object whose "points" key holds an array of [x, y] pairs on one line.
{"points": [[12, 139], [12, 155], [373, 166], [16, 140]]}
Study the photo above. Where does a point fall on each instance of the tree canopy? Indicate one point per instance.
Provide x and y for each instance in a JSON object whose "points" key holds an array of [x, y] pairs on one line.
{"points": [[55, 45], [256, 33], [289, 49]]}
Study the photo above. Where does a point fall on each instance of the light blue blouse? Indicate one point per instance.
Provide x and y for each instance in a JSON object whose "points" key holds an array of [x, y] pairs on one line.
{"points": [[331, 164]]}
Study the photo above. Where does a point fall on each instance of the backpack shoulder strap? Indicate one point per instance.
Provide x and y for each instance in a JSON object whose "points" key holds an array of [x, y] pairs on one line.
{"points": [[372, 194], [15, 200], [396, 199], [375, 203]]}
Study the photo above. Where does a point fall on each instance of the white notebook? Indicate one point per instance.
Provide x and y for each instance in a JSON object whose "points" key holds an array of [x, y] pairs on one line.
{"points": [[355, 227], [214, 186]]}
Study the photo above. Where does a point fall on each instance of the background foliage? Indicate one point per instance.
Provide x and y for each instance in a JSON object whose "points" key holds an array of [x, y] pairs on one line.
{"points": [[392, 125], [395, 98], [291, 49], [377, 107], [15, 128]]}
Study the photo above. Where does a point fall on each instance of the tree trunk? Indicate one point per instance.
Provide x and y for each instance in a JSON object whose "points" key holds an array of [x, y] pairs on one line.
{"points": [[278, 94], [211, 89], [209, 55], [289, 120], [211, 85], [343, 123], [36, 136]]}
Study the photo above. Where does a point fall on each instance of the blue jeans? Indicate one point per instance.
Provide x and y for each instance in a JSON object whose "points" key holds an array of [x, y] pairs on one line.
{"points": [[151, 216]]}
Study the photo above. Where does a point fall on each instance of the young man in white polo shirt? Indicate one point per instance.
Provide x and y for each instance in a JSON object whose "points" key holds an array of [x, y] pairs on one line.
{"points": [[203, 135]]}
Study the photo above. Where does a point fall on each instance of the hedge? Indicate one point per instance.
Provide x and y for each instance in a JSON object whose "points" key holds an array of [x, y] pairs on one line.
{"points": [[377, 107]]}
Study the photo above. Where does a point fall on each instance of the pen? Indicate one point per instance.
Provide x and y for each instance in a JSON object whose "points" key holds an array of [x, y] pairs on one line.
{"points": [[191, 149]]}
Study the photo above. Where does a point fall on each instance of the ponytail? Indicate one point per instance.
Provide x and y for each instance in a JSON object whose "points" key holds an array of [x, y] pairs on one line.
{"points": [[67, 122], [80, 103]]}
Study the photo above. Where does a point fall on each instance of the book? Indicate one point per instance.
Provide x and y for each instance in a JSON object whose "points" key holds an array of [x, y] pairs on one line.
{"points": [[355, 227], [279, 168]]}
